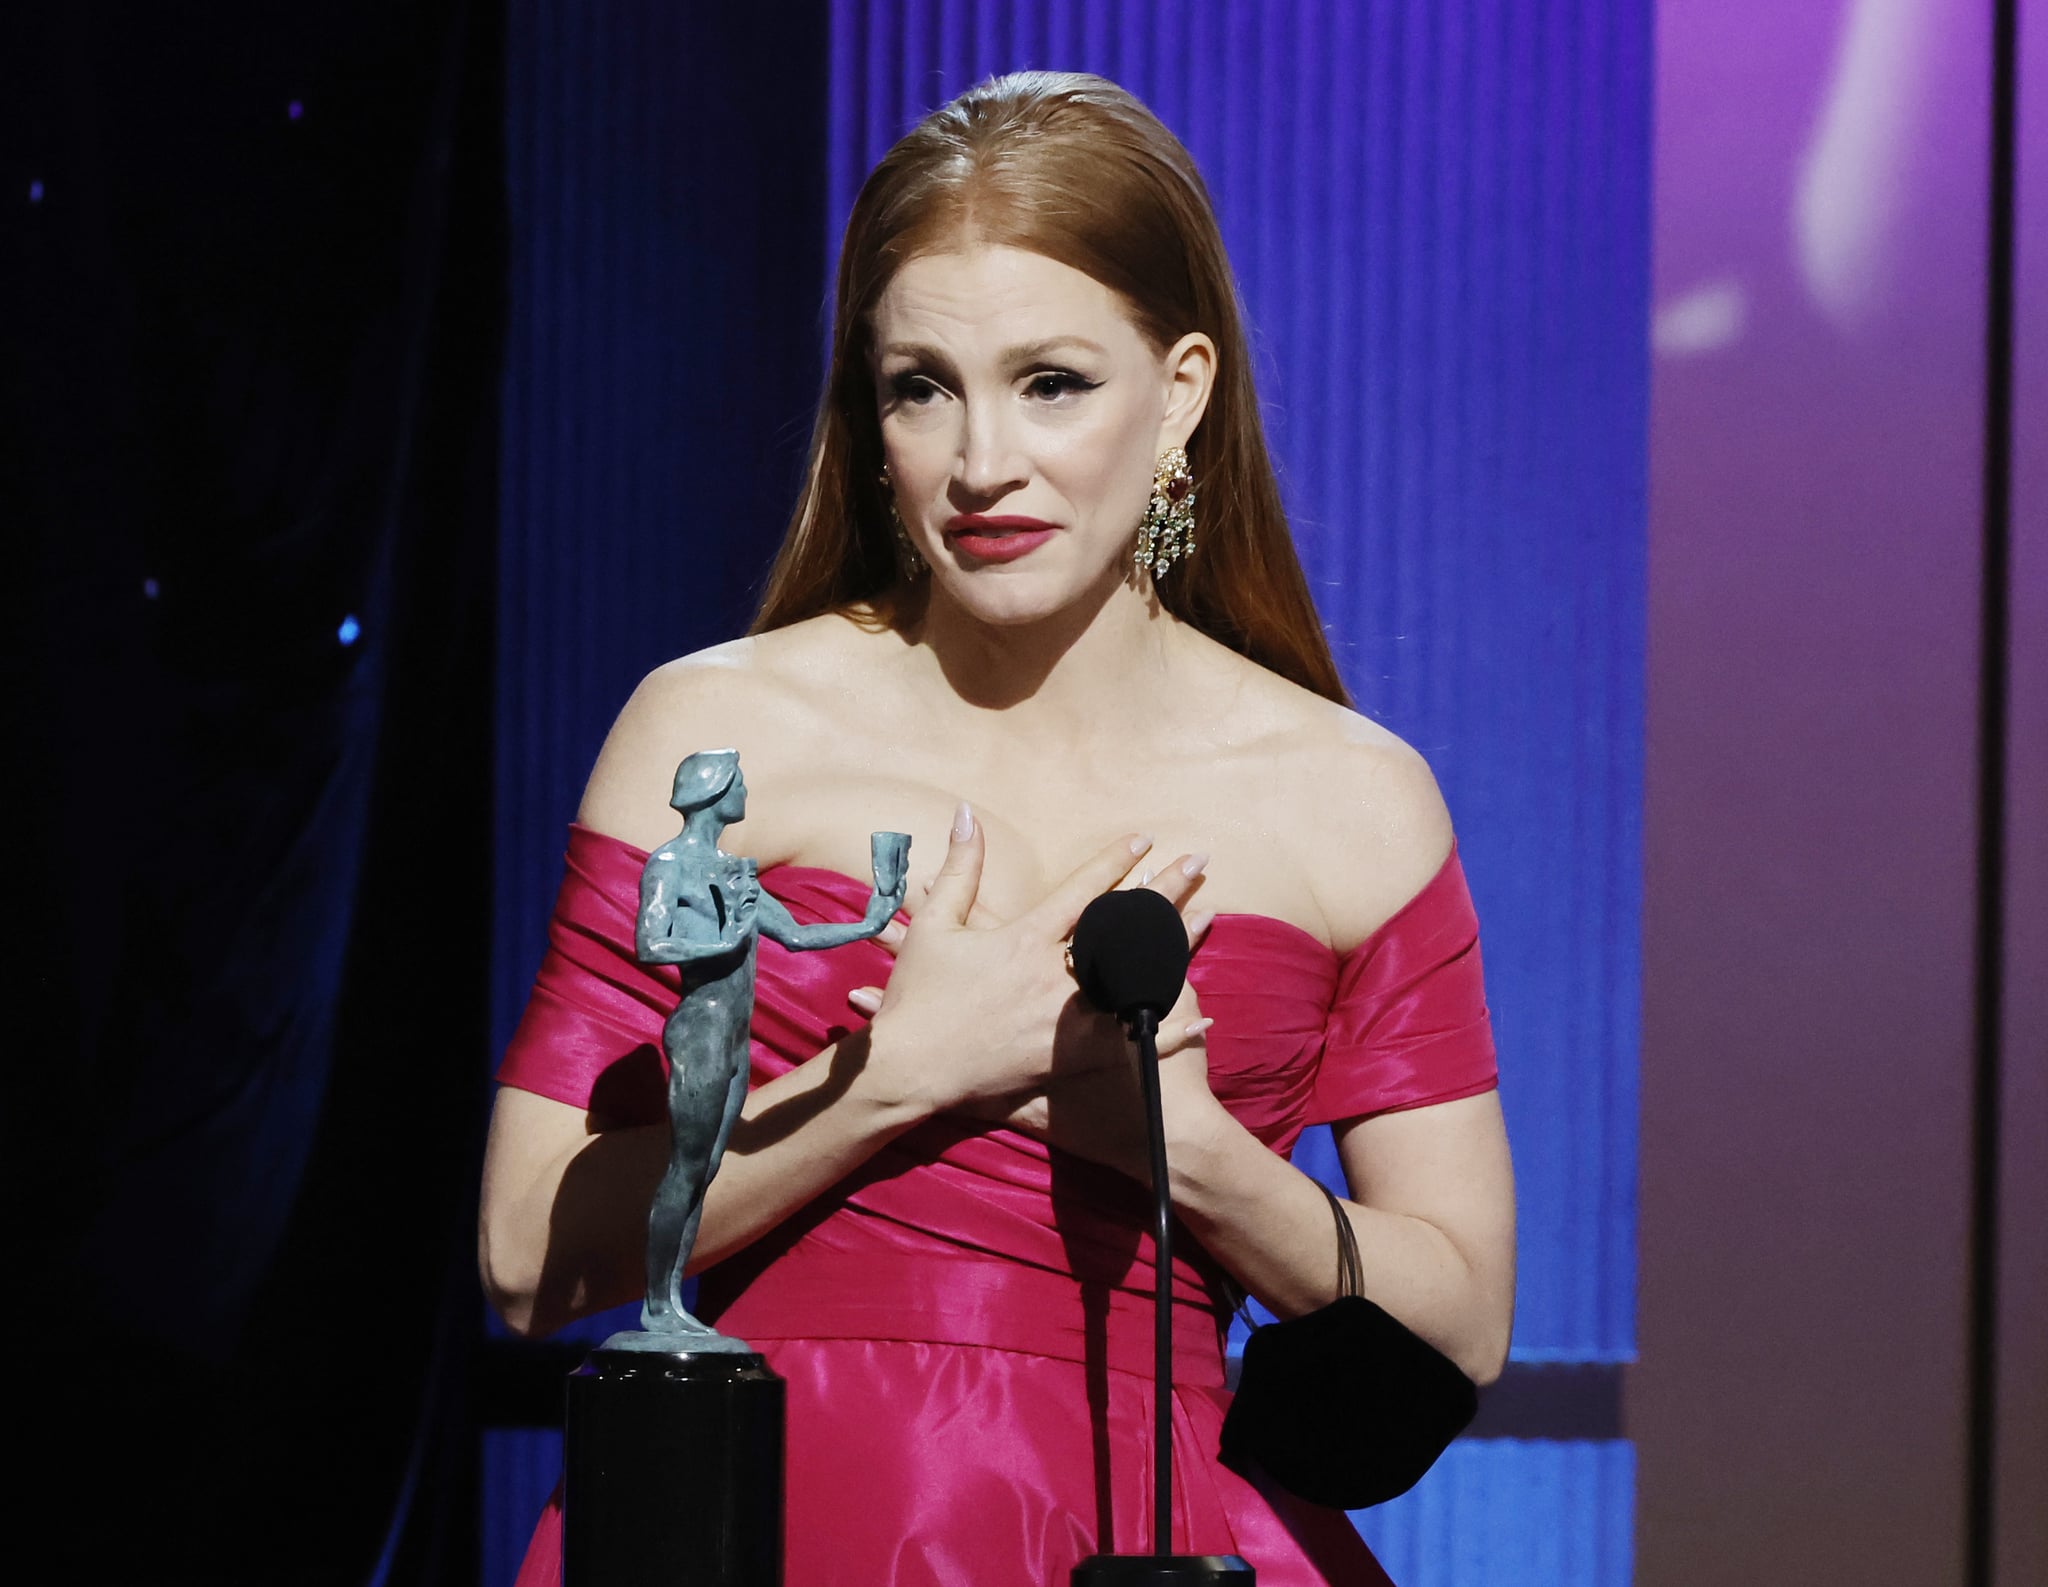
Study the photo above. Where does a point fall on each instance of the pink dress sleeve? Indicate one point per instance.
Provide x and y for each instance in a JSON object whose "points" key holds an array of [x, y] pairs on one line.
{"points": [[1408, 1025], [591, 1033]]}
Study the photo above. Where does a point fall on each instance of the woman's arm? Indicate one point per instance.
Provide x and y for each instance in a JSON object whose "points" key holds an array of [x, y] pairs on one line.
{"points": [[1432, 1200], [562, 1231], [1432, 1192], [564, 1217], [1431, 1189], [1433, 1209], [563, 1225]]}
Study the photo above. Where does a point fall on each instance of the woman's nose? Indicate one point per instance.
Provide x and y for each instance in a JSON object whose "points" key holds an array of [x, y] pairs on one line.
{"points": [[988, 464]]}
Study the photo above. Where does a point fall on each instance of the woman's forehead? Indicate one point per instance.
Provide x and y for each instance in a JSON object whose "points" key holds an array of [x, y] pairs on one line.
{"points": [[989, 297]]}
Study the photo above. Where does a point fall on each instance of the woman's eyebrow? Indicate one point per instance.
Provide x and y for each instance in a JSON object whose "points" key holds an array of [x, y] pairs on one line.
{"points": [[1032, 352], [917, 352]]}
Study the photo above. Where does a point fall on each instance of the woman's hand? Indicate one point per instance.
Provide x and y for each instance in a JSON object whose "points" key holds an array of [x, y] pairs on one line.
{"points": [[1037, 1058], [975, 1013], [1100, 1115]]}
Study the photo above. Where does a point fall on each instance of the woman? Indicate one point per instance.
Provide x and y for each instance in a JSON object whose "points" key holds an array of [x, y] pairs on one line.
{"points": [[987, 628]]}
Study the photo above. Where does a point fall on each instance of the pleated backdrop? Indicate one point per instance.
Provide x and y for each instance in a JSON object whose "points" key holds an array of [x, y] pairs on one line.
{"points": [[1439, 217]]}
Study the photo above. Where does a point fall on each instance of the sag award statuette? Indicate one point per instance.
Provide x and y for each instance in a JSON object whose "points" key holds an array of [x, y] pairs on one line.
{"points": [[674, 1437]]}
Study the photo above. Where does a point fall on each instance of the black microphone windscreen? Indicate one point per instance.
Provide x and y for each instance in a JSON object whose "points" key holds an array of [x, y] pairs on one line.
{"points": [[1131, 952]]}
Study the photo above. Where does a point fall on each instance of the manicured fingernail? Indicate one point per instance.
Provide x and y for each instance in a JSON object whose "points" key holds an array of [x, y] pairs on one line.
{"points": [[963, 823], [1200, 922], [1194, 865], [1140, 842], [865, 999], [1145, 877], [1196, 1027]]}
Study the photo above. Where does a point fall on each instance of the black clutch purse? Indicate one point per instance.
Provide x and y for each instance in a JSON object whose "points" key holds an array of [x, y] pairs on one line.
{"points": [[1343, 1405]]}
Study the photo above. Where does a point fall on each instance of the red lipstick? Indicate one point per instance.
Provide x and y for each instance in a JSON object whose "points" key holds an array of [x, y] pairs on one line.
{"points": [[998, 538]]}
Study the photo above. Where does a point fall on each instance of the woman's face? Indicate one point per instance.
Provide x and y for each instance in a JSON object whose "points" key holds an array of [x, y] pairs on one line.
{"points": [[1022, 417]]}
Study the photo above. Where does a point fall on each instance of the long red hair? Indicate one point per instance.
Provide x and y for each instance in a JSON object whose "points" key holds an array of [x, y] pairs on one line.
{"points": [[1072, 167]]}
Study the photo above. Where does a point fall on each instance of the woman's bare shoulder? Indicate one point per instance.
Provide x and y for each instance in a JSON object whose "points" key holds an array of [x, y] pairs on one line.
{"points": [[1361, 803], [1377, 820], [758, 695]]}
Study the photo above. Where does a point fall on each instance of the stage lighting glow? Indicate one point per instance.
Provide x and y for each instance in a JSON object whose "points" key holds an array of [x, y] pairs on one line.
{"points": [[349, 631], [35, 192]]}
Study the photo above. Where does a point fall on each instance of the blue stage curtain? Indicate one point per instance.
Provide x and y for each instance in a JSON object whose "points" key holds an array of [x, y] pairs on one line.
{"points": [[667, 206]]}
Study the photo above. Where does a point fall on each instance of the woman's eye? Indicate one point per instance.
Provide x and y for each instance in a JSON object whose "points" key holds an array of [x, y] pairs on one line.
{"points": [[913, 389], [1057, 383]]}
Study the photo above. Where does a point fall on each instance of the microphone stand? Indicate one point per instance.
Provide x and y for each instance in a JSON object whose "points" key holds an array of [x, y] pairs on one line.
{"points": [[1162, 1567], [1146, 1028]]}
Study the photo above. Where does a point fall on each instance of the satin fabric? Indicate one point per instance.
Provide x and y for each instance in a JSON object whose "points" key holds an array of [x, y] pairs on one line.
{"points": [[964, 1322]]}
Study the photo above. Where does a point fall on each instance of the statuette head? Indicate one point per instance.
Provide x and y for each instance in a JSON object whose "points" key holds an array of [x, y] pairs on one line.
{"points": [[706, 778]]}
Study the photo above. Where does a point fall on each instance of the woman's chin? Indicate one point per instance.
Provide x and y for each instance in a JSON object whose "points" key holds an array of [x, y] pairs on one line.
{"points": [[1018, 600]]}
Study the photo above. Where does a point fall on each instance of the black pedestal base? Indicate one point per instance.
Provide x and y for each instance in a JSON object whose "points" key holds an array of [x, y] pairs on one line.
{"points": [[1162, 1570], [672, 1472]]}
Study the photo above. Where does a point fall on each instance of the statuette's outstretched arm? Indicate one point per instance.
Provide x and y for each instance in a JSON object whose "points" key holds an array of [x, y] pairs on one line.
{"points": [[891, 853]]}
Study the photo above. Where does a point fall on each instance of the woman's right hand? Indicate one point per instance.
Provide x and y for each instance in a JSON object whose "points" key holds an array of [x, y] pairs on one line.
{"points": [[975, 1016]]}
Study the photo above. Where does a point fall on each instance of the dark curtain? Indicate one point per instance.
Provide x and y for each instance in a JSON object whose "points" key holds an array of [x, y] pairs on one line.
{"points": [[256, 260]]}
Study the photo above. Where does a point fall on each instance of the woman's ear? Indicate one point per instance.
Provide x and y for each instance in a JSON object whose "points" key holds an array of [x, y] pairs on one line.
{"points": [[1190, 367]]}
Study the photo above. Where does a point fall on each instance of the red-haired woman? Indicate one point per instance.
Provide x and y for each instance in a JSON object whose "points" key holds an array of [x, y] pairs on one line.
{"points": [[1039, 607]]}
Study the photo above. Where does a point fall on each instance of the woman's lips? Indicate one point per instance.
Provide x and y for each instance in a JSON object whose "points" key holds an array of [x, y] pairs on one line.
{"points": [[999, 539]]}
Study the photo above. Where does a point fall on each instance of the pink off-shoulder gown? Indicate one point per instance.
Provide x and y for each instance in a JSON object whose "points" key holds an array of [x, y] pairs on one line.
{"points": [[964, 1322]]}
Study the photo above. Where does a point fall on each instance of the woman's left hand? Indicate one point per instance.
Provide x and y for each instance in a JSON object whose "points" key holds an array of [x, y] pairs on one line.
{"points": [[1099, 1114]]}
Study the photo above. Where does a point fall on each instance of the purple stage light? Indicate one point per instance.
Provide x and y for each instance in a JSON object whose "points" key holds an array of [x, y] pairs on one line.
{"points": [[35, 192], [295, 110], [151, 589]]}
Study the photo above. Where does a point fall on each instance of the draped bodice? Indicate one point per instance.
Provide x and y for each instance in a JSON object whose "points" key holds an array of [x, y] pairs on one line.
{"points": [[1302, 1035]]}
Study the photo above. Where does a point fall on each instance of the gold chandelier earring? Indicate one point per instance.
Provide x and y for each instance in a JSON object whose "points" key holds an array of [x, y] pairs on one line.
{"points": [[1167, 531], [910, 561]]}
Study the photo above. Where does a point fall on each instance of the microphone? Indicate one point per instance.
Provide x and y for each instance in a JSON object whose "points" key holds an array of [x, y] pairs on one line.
{"points": [[1131, 954], [1131, 959]]}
